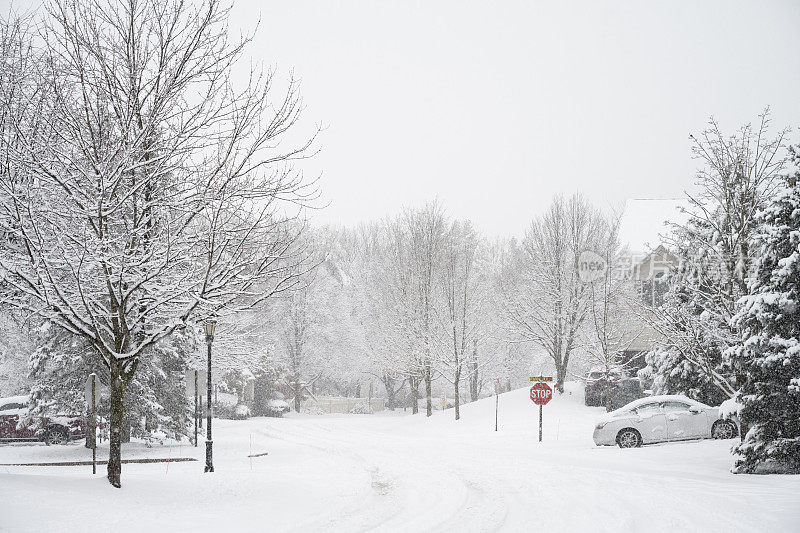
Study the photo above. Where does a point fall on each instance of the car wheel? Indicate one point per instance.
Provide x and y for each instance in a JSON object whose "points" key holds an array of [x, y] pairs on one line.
{"points": [[56, 436], [629, 438], [724, 429]]}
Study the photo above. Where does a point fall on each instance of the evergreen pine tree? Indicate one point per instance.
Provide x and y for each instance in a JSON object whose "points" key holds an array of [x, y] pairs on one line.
{"points": [[769, 355], [155, 404]]}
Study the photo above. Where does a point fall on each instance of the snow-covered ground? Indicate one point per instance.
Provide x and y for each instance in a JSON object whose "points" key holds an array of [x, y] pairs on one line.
{"points": [[404, 473]]}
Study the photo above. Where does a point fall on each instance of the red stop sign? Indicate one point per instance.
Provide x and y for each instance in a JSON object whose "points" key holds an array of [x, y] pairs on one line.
{"points": [[541, 393]]}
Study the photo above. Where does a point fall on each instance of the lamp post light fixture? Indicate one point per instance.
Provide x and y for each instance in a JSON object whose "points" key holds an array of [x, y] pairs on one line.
{"points": [[209, 327]]}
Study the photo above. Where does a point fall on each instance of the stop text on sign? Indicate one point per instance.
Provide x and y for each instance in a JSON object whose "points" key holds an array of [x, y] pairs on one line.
{"points": [[541, 393]]}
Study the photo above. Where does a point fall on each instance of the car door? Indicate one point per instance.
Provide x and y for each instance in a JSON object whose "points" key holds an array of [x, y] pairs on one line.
{"points": [[683, 423], [651, 423]]}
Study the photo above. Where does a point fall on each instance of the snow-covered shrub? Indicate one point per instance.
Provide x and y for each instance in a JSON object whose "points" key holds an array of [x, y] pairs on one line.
{"points": [[276, 408], [361, 408], [646, 377], [241, 412], [268, 377], [226, 405], [313, 410], [730, 408], [235, 382]]}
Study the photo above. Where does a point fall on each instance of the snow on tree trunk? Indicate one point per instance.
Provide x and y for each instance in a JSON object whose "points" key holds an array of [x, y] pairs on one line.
{"points": [[473, 377], [414, 395], [561, 376], [457, 393], [428, 380], [117, 389]]}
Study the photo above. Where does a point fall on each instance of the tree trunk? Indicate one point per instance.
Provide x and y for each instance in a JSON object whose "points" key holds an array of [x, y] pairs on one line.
{"points": [[388, 383], [428, 402], [296, 395], [473, 380], [561, 375], [458, 398], [115, 421], [414, 385]]}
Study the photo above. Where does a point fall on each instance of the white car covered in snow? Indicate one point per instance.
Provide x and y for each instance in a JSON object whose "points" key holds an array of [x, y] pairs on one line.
{"points": [[661, 419]]}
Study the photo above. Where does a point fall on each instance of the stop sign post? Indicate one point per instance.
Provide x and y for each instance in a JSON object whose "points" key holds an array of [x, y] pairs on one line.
{"points": [[541, 393]]}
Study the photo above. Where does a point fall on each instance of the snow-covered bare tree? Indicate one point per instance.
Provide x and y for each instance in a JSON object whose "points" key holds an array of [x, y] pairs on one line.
{"points": [[462, 320], [543, 299], [149, 196], [300, 344], [612, 325], [317, 334], [381, 302], [406, 253], [424, 229]]}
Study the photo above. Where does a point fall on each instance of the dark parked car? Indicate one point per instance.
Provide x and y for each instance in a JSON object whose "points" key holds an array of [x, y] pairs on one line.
{"points": [[596, 385], [58, 429], [624, 392]]}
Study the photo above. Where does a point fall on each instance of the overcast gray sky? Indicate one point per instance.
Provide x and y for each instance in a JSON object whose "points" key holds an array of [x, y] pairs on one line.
{"points": [[494, 107]]}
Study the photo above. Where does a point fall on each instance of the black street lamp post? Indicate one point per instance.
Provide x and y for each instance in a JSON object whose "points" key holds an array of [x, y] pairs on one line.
{"points": [[209, 326]]}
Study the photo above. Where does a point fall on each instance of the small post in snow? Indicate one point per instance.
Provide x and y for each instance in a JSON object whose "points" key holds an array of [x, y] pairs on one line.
{"points": [[496, 402], [196, 412]]}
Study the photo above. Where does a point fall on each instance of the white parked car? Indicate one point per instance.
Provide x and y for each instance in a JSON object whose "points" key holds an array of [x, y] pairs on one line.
{"points": [[662, 419]]}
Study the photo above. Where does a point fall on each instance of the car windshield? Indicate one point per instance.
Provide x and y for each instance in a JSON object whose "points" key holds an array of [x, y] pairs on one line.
{"points": [[648, 409], [675, 406], [631, 385], [599, 374]]}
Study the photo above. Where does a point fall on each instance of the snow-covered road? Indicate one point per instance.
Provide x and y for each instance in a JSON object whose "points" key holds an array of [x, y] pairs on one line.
{"points": [[404, 473]]}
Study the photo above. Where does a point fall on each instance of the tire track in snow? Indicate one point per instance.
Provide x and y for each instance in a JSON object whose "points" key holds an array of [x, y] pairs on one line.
{"points": [[432, 496]]}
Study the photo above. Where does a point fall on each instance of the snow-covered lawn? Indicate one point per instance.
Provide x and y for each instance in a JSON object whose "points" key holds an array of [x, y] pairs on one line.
{"points": [[404, 473]]}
